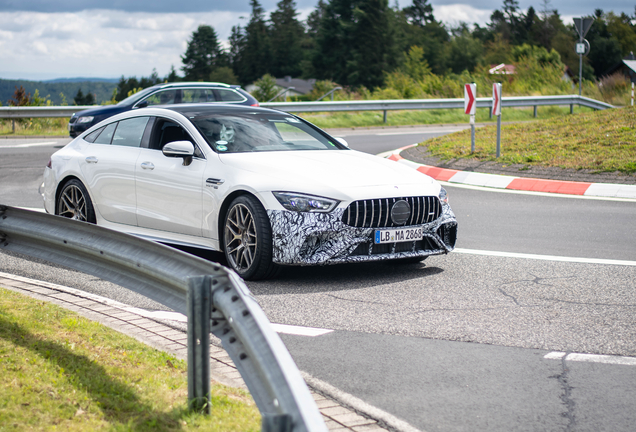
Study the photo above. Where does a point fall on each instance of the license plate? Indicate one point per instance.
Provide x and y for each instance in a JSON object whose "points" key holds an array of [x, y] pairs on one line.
{"points": [[398, 235]]}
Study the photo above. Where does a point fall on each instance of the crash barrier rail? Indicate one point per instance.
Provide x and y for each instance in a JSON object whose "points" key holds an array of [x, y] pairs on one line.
{"points": [[214, 298], [358, 105]]}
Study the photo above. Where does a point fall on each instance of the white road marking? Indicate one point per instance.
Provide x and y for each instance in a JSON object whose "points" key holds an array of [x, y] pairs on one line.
{"points": [[420, 132], [48, 143], [592, 358], [300, 331], [545, 257]]}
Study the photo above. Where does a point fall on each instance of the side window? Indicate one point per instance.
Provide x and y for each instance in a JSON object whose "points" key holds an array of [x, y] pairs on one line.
{"points": [[166, 131], [199, 95], [130, 131], [107, 134], [165, 97], [91, 137], [228, 95]]}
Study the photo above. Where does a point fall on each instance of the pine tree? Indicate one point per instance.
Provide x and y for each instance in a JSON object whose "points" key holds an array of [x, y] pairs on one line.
{"points": [[287, 35], [256, 52], [203, 54], [370, 34]]}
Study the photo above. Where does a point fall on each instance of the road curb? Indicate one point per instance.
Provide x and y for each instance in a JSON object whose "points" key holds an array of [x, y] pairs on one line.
{"points": [[498, 181]]}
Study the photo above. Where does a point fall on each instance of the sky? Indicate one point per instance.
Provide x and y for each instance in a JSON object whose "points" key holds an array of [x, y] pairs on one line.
{"points": [[46, 39]]}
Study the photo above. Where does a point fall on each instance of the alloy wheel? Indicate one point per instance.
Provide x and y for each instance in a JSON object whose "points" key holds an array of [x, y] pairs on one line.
{"points": [[240, 237], [72, 203]]}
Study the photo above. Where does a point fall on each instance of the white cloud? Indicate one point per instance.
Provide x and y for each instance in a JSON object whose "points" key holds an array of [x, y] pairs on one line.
{"points": [[455, 13]]}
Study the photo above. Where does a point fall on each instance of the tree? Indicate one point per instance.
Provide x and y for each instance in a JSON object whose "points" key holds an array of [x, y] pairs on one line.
{"points": [[465, 52], [20, 97], [203, 54], [223, 74], [420, 13], [81, 99], [256, 49], [372, 43], [286, 35], [333, 41]]}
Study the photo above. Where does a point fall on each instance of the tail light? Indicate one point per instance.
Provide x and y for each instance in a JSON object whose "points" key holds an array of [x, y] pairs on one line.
{"points": [[48, 165], [255, 104]]}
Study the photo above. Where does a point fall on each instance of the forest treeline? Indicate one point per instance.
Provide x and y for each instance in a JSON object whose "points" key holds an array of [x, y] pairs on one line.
{"points": [[375, 50]]}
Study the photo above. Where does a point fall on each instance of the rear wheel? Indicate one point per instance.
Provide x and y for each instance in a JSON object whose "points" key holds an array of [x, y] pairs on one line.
{"points": [[75, 203], [247, 238]]}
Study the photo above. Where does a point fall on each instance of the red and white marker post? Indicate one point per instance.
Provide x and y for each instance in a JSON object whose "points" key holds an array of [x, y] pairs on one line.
{"points": [[470, 107], [496, 111]]}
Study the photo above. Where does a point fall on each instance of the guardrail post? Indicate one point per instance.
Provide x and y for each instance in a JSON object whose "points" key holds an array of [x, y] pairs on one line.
{"points": [[571, 108], [535, 111], [13, 125], [498, 136], [384, 120], [199, 304]]}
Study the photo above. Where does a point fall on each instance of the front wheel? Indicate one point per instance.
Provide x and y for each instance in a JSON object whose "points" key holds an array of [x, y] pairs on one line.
{"points": [[75, 203], [247, 238]]}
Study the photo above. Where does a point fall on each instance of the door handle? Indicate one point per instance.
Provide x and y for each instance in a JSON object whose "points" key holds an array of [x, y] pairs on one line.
{"points": [[147, 165], [91, 159]]}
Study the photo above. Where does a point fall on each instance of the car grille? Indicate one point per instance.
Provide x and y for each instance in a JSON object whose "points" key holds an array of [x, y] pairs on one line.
{"points": [[376, 213]]}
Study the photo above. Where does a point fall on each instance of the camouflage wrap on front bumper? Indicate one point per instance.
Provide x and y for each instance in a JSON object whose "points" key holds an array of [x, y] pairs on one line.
{"points": [[301, 238]]}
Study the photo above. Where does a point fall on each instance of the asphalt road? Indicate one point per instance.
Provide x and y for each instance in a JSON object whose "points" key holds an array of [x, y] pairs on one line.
{"points": [[458, 342]]}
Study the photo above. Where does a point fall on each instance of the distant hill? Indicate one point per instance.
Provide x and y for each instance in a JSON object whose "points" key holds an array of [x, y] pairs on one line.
{"points": [[103, 89], [75, 80]]}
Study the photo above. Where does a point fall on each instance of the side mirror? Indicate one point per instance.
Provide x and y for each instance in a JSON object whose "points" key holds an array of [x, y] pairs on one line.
{"points": [[342, 141], [184, 149], [142, 104]]}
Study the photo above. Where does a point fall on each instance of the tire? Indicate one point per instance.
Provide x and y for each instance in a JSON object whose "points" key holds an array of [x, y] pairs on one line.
{"points": [[74, 202], [247, 239]]}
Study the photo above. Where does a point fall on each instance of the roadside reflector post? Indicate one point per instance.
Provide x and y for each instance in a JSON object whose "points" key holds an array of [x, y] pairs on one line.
{"points": [[632, 93], [470, 107], [496, 111], [199, 304]]}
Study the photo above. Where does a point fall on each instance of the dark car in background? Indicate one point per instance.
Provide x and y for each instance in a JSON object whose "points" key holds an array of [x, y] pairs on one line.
{"points": [[162, 94]]}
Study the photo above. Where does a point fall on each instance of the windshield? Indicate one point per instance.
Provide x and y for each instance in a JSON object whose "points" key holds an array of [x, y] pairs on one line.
{"points": [[255, 132], [135, 97]]}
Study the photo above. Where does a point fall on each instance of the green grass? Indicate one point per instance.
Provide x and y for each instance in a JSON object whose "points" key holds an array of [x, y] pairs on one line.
{"points": [[426, 117], [59, 371], [35, 126], [601, 141]]}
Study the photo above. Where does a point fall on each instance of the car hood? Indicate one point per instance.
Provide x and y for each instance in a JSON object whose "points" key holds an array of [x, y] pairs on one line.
{"points": [[332, 172]]}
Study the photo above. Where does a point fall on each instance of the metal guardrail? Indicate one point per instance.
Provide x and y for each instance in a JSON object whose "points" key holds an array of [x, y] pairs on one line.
{"points": [[214, 298], [418, 104], [41, 111], [363, 105]]}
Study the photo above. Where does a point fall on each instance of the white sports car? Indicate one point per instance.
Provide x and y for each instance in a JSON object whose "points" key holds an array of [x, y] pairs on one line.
{"points": [[265, 187]]}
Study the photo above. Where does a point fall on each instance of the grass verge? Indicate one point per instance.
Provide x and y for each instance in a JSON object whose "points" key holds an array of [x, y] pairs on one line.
{"points": [[423, 117], [59, 371], [34, 126], [600, 141]]}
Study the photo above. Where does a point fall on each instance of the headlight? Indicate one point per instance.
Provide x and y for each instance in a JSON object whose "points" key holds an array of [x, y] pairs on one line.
{"points": [[305, 203], [443, 196], [86, 119]]}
